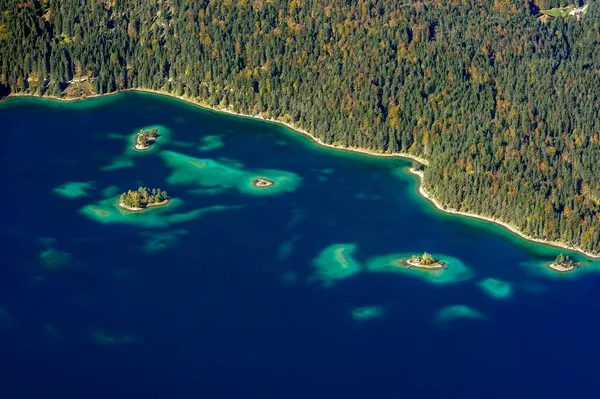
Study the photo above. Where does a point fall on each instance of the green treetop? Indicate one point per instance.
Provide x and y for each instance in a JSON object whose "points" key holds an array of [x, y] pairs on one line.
{"points": [[143, 197], [147, 137], [465, 88], [563, 260], [427, 259]]}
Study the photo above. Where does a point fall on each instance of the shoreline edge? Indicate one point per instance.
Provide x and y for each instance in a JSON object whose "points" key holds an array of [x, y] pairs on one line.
{"points": [[422, 191], [425, 194]]}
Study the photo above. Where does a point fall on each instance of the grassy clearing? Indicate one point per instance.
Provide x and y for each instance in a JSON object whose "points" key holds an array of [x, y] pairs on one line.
{"points": [[559, 11]]}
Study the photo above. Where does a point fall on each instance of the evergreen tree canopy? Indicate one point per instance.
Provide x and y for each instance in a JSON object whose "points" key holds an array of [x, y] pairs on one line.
{"points": [[503, 104]]}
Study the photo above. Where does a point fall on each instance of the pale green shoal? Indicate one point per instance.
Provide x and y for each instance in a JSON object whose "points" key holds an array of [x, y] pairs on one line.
{"points": [[533, 288], [495, 288], [455, 271], [336, 262], [110, 191], [160, 241], [208, 191], [541, 268], [119, 162], [289, 277], [101, 337], [213, 174], [209, 143], [181, 143], [286, 248], [52, 334], [113, 136], [197, 171], [367, 196], [457, 312], [297, 216], [231, 163], [107, 212], [365, 313], [74, 189], [47, 241], [53, 260]]}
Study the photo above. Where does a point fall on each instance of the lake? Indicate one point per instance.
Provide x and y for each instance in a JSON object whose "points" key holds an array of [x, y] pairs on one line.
{"points": [[286, 291]]}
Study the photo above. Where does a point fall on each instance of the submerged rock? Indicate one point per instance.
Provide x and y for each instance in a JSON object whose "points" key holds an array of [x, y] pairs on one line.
{"points": [[496, 288], [74, 189], [336, 262], [52, 334], [6, 321], [457, 312], [104, 338], [209, 143], [365, 313], [52, 259]]}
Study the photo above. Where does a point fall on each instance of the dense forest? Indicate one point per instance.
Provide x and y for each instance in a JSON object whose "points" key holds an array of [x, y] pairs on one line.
{"points": [[504, 104]]}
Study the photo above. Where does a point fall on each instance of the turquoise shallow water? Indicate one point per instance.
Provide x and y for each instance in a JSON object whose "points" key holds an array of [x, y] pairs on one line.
{"points": [[286, 291]]}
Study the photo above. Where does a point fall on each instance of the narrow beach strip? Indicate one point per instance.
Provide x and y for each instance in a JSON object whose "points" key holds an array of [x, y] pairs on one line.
{"points": [[316, 140], [507, 226]]}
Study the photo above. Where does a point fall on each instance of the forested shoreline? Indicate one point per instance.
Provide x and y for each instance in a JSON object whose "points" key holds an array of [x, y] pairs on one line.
{"points": [[504, 106]]}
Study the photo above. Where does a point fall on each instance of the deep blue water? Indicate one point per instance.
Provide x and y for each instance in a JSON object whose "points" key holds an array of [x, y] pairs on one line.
{"points": [[218, 311]]}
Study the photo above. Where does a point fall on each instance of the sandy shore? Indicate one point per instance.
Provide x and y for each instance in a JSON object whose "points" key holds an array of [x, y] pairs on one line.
{"points": [[560, 268], [135, 209], [229, 111], [435, 266], [141, 147], [507, 226], [423, 161]]}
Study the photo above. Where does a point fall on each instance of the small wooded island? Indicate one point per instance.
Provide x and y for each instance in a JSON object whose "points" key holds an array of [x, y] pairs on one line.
{"points": [[143, 198], [146, 138], [262, 182], [425, 261], [563, 263]]}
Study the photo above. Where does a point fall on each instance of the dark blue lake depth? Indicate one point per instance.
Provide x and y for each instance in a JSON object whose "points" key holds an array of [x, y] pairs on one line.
{"points": [[231, 291]]}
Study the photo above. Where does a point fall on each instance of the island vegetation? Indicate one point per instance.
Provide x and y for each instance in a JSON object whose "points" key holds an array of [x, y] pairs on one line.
{"points": [[425, 261], [146, 138], [563, 263], [143, 198], [262, 182], [499, 103]]}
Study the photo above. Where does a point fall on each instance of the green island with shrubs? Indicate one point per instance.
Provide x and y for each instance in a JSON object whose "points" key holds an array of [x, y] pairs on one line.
{"points": [[146, 138], [563, 263], [425, 261], [143, 198]]}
